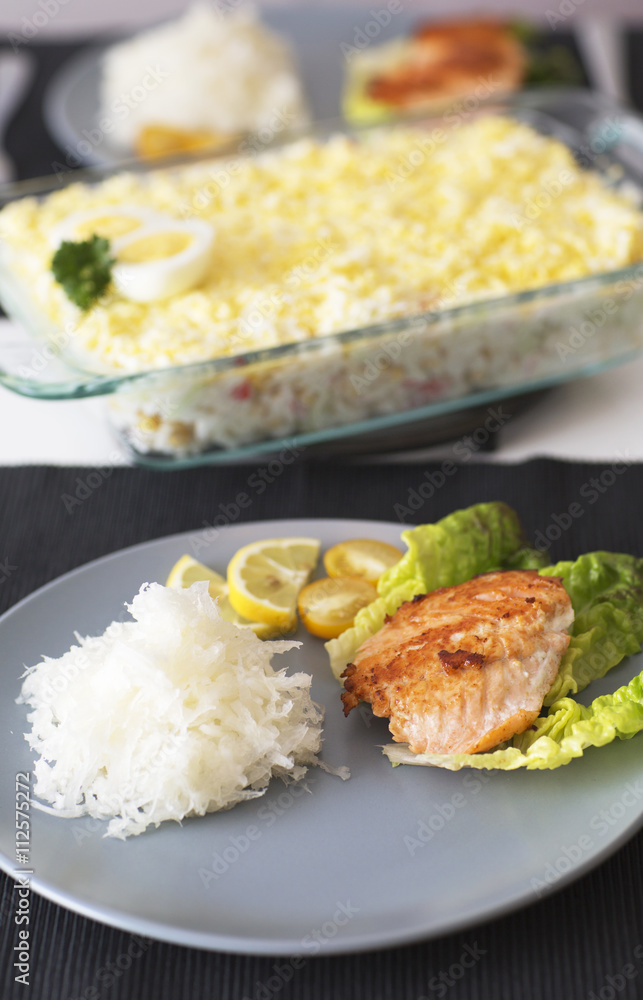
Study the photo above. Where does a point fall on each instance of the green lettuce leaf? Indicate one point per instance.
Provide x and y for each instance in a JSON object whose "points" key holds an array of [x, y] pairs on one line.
{"points": [[606, 590], [478, 539], [564, 733], [475, 540]]}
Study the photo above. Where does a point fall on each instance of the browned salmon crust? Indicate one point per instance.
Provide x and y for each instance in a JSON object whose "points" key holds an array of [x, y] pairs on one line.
{"points": [[448, 59], [464, 668]]}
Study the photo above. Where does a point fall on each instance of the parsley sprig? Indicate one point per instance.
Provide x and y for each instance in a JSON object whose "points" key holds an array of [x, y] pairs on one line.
{"points": [[84, 269]]}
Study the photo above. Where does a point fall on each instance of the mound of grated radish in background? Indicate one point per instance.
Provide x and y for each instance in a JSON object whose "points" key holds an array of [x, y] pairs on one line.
{"points": [[175, 714]]}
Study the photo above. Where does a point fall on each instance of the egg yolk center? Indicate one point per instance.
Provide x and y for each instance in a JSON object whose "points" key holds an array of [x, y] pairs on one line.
{"points": [[109, 226], [156, 247]]}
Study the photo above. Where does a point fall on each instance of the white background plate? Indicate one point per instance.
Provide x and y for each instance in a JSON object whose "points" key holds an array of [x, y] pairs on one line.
{"points": [[71, 106], [503, 839]]}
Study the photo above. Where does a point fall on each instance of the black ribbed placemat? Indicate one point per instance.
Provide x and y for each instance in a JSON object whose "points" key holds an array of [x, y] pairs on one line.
{"points": [[583, 942]]}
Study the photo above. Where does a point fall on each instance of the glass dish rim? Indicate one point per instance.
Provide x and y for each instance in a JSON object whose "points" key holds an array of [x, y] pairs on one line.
{"points": [[300, 441], [98, 383], [78, 381]]}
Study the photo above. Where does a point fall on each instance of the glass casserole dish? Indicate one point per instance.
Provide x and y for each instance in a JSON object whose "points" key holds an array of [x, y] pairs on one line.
{"points": [[357, 381]]}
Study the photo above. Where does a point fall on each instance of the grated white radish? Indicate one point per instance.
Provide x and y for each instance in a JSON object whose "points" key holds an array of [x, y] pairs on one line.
{"points": [[175, 714]]}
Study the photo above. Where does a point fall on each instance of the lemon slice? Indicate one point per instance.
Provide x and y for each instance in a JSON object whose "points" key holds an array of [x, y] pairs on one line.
{"points": [[159, 140], [187, 571], [365, 558], [328, 607], [264, 578]]}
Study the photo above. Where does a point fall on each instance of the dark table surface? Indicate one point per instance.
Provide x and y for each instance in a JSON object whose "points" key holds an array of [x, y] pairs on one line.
{"points": [[584, 941], [571, 944]]}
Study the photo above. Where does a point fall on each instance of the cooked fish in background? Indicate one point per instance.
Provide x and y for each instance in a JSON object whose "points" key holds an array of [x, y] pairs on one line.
{"points": [[449, 59], [464, 668]]}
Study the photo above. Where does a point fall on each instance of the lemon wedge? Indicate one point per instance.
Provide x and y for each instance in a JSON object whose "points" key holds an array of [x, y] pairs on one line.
{"points": [[159, 140], [264, 578], [187, 571], [364, 558], [328, 607]]}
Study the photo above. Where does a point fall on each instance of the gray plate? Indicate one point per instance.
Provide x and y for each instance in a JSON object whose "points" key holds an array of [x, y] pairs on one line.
{"points": [[71, 104], [340, 869]]}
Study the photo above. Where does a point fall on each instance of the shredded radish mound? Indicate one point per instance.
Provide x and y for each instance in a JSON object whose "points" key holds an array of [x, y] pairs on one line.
{"points": [[175, 714]]}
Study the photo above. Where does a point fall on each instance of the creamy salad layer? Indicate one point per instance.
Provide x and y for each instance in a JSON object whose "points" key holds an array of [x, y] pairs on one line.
{"points": [[319, 237]]}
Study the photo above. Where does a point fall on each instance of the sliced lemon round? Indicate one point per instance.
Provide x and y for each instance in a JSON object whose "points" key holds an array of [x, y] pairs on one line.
{"points": [[328, 607], [160, 140], [187, 571], [364, 558], [264, 578]]}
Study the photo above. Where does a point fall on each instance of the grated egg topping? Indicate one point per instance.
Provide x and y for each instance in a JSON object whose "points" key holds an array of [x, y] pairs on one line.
{"points": [[320, 237]]}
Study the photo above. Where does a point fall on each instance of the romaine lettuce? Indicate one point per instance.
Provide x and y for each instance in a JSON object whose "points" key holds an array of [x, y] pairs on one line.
{"points": [[564, 733], [606, 590]]}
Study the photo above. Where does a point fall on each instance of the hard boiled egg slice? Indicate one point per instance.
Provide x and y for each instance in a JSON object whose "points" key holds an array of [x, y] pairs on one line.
{"points": [[163, 258], [111, 221]]}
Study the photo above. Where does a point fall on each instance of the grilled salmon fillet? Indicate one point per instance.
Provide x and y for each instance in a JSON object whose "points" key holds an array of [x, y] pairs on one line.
{"points": [[448, 59], [463, 668]]}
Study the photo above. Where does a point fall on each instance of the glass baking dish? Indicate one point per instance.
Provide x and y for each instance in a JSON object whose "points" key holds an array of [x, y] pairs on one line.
{"points": [[368, 384]]}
